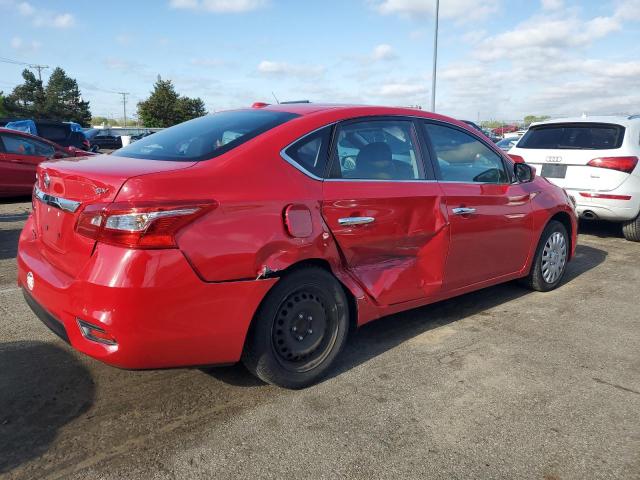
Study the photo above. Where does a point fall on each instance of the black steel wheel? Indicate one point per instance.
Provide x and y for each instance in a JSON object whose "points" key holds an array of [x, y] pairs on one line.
{"points": [[298, 330]]}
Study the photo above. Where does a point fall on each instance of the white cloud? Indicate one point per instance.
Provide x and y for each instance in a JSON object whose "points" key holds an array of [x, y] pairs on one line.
{"points": [[383, 52], [268, 67], [64, 20], [401, 90], [455, 9], [552, 4], [21, 45], [219, 6], [39, 17], [25, 9]]}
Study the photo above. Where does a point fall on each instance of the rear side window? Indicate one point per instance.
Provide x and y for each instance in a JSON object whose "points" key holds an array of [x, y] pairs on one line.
{"points": [[310, 152], [55, 133], [464, 158], [18, 145], [377, 150], [574, 136], [205, 137]]}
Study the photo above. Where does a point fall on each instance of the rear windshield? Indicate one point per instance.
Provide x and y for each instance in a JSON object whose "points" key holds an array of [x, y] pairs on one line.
{"points": [[55, 133], [574, 136], [205, 137]]}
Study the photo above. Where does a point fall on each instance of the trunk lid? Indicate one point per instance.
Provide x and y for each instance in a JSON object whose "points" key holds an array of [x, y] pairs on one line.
{"points": [[65, 187]]}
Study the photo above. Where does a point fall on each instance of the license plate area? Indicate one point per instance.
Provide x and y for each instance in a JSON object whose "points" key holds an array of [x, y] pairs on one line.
{"points": [[553, 171]]}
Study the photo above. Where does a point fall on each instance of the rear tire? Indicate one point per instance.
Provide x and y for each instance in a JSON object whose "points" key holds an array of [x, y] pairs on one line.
{"points": [[550, 261], [631, 229], [299, 329]]}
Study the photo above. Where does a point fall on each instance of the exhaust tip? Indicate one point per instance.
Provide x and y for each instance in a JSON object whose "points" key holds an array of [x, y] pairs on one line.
{"points": [[589, 215]]}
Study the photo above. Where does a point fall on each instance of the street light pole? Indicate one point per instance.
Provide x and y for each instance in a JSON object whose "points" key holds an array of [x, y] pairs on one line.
{"points": [[435, 59], [124, 105]]}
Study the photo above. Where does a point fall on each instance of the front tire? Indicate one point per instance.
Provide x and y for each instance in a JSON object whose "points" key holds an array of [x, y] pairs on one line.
{"points": [[631, 229], [299, 329], [550, 261]]}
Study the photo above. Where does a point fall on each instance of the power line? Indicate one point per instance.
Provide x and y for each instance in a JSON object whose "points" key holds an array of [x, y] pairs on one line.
{"points": [[35, 66]]}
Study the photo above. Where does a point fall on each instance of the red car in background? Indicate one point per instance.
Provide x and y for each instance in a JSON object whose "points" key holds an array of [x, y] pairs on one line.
{"points": [[20, 155], [264, 234]]}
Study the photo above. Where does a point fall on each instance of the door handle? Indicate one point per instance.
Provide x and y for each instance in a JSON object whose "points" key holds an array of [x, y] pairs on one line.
{"points": [[464, 211], [348, 221]]}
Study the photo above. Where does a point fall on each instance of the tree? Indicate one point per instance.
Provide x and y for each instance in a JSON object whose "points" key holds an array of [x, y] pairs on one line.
{"points": [[165, 107], [28, 99], [3, 108], [191, 108], [529, 119], [60, 100], [63, 100]]}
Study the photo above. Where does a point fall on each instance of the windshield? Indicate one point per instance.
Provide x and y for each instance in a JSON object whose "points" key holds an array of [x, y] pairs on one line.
{"points": [[573, 136], [205, 137]]}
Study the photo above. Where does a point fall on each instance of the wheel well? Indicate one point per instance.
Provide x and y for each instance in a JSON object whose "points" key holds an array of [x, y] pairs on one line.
{"points": [[321, 263], [564, 219]]}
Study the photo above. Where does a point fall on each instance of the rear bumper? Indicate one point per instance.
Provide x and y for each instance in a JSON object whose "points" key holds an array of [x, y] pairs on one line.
{"points": [[151, 302], [605, 208]]}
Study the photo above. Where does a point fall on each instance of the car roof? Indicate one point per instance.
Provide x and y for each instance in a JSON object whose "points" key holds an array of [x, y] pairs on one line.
{"points": [[623, 120], [306, 109]]}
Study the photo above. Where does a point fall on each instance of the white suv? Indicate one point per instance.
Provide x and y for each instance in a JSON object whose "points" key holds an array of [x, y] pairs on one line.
{"points": [[595, 159]]}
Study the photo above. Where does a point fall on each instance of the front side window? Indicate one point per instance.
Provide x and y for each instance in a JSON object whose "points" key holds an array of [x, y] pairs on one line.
{"points": [[376, 150], [205, 137], [310, 152], [463, 158], [18, 145]]}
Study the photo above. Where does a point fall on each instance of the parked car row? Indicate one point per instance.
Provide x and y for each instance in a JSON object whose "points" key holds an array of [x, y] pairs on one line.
{"points": [[182, 249]]}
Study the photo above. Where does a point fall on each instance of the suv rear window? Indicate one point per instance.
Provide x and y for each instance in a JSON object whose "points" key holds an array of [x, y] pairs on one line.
{"points": [[55, 133], [205, 137], [573, 136]]}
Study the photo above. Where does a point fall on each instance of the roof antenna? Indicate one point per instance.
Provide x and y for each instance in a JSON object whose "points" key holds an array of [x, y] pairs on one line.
{"points": [[274, 96]]}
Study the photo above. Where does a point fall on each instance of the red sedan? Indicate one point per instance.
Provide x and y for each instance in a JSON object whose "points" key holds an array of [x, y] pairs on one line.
{"points": [[20, 155], [264, 234]]}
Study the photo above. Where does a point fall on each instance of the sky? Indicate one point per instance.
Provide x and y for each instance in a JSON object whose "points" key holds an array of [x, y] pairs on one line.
{"points": [[497, 59]]}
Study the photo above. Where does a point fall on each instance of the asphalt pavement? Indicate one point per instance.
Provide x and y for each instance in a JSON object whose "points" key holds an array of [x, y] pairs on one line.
{"points": [[502, 383]]}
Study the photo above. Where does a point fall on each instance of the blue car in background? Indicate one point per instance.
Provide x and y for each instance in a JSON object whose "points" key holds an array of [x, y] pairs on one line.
{"points": [[66, 134]]}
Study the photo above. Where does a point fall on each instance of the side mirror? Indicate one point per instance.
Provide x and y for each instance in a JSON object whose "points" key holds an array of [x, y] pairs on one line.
{"points": [[524, 173]]}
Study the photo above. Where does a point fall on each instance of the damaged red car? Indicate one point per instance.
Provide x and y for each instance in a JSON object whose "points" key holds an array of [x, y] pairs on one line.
{"points": [[266, 234]]}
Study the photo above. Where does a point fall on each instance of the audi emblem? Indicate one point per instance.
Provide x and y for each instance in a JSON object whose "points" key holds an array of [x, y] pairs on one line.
{"points": [[554, 159]]}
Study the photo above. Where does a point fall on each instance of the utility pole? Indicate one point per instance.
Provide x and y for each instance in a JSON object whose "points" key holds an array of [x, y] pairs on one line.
{"points": [[435, 59], [39, 68], [124, 105]]}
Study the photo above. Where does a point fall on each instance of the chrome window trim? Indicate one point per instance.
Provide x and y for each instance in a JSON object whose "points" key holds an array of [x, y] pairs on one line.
{"points": [[58, 202], [300, 168]]}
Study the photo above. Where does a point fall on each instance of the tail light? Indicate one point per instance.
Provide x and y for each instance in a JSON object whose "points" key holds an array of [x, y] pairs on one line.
{"points": [[622, 164], [139, 225], [86, 144], [605, 195]]}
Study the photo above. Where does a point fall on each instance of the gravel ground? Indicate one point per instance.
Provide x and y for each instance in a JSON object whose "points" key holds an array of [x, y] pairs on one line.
{"points": [[501, 383]]}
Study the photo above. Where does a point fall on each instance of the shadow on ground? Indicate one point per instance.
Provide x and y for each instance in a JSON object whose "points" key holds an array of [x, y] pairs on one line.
{"points": [[42, 388], [600, 229], [9, 243]]}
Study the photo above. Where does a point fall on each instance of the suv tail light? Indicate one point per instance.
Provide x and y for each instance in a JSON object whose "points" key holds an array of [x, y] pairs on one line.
{"points": [[622, 164], [139, 225]]}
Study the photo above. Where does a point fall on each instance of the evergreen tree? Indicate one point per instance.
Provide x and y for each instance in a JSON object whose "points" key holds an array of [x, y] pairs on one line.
{"points": [[63, 100], [165, 107], [28, 99]]}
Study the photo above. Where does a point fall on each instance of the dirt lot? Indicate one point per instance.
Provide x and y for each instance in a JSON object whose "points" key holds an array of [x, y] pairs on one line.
{"points": [[502, 383]]}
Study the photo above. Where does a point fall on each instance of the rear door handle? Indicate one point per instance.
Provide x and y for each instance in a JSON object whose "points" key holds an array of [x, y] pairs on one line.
{"points": [[348, 221], [464, 211]]}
